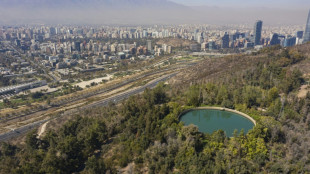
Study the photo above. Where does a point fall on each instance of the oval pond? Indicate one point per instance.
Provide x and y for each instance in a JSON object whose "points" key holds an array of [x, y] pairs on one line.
{"points": [[210, 120]]}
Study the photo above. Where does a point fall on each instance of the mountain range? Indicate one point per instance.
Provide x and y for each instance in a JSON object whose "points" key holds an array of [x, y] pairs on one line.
{"points": [[135, 12], [86, 3], [91, 11]]}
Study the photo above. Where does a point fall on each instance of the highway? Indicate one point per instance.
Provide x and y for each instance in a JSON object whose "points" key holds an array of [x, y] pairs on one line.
{"points": [[87, 95], [105, 102]]}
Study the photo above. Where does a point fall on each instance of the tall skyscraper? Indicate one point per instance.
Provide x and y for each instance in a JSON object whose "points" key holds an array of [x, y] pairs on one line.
{"points": [[225, 41], [307, 31], [258, 32]]}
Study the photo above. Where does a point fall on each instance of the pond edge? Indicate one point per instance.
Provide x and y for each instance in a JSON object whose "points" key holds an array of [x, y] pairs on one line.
{"points": [[221, 109]]}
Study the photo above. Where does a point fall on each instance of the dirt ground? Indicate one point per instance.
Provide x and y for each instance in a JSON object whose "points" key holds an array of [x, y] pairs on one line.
{"points": [[304, 89]]}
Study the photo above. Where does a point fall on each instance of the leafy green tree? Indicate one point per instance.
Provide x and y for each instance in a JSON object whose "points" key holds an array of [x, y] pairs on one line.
{"points": [[95, 166], [7, 149], [194, 96], [222, 95], [211, 91], [31, 140], [252, 96], [273, 94]]}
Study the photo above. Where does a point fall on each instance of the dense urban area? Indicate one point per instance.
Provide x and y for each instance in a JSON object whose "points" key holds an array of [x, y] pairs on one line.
{"points": [[35, 56]]}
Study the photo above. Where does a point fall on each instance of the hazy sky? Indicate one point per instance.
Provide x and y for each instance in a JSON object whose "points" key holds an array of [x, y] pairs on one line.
{"points": [[272, 12], [303, 4]]}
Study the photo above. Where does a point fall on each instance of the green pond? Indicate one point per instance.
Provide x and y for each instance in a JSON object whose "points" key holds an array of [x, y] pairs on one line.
{"points": [[209, 120]]}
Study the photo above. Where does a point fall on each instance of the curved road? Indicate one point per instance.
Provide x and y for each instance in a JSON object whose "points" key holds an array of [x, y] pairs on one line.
{"points": [[105, 102]]}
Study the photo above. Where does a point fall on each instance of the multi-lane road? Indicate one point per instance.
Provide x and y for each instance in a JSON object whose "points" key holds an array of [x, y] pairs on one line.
{"points": [[88, 95], [114, 99]]}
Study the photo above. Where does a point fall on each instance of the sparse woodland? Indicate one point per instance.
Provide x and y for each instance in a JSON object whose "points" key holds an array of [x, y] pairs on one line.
{"points": [[143, 134]]}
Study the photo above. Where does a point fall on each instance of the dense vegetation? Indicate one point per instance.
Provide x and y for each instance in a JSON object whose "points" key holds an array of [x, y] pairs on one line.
{"points": [[143, 133]]}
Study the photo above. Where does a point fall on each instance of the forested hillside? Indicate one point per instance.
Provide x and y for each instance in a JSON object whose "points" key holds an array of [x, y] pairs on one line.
{"points": [[143, 134]]}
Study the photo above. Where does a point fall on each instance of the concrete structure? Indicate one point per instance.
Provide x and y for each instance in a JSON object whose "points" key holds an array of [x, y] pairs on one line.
{"points": [[194, 47], [275, 39], [222, 109], [249, 45], [307, 31], [299, 34], [289, 41], [18, 88], [258, 32], [211, 45], [149, 45], [225, 40]]}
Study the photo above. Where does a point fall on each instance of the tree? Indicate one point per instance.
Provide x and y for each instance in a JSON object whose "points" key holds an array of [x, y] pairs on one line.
{"points": [[211, 94], [95, 166], [252, 96], [273, 94], [222, 95], [32, 140], [37, 95], [194, 96]]}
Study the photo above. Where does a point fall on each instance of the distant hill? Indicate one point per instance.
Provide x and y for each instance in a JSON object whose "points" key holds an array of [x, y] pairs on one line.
{"points": [[137, 12], [85, 3], [91, 11], [175, 42]]}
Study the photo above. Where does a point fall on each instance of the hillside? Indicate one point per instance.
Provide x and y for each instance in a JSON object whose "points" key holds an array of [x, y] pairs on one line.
{"points": [[175, 42], [212, 69]]}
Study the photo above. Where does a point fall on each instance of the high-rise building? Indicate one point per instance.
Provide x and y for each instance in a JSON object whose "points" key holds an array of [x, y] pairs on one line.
{"points": [[199, 39], [258, 32], [77, 46], [225, 41], [52, 31], [17, 42], [275, 39], [289, 41], [212, 45], [145, 33], [149, 45], [169, 50], [299, 34], [307, 31]]}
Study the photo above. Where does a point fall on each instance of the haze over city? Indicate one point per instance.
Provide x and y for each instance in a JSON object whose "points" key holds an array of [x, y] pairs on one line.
{"points": [[125, 12]]}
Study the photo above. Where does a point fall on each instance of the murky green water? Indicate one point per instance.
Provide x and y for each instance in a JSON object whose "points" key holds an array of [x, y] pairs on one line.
{"points": [[209, 120]]}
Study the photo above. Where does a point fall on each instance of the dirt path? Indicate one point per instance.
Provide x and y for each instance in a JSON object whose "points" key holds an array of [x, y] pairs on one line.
{"points": [[42, 129]]}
